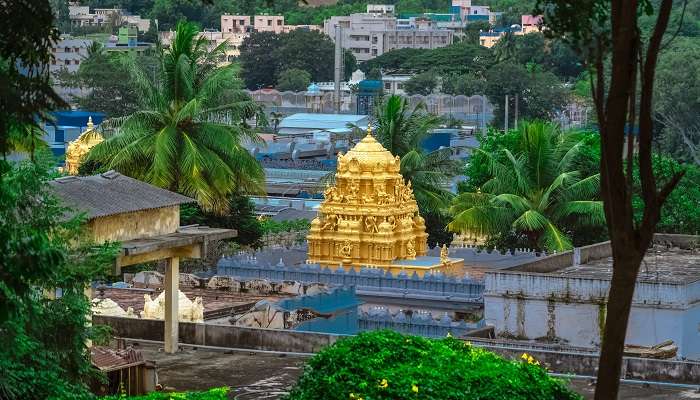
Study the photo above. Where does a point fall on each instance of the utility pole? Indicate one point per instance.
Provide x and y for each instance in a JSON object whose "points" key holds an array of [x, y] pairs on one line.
{"points": [[515, 123], [506, 110], [483, 114], [338, 68]]}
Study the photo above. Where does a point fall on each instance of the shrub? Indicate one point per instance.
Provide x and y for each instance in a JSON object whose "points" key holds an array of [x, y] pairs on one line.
{"points": [[211, 394], [389, 365]]}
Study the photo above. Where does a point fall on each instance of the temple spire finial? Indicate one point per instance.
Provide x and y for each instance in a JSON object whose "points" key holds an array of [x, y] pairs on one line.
{"points": [[90, 125], [369, 129]]}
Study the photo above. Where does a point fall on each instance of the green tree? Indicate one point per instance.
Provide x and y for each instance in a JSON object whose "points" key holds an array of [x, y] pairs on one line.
{"points": [[26, 38], [402, 130], [533, 191], [187, 135], [42, 251], [678, 99], [60, 10], [506, 49], [424, 84], [240, 217], [106, 80], [258, 64], [465, 84], [293, 79], [541, 94], [307, 50]]}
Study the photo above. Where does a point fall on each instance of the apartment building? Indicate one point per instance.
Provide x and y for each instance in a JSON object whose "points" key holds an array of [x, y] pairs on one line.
{"points": [[370, 35], [68, 53], [269, 23], [236, 24]]}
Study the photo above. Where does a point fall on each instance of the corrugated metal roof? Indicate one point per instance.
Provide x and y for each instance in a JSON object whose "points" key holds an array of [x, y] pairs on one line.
{"points": [[321, 121], [112, 193]]}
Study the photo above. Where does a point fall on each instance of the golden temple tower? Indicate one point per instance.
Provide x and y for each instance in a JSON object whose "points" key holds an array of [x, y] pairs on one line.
{"points": [[370, 216], [78, 148]]}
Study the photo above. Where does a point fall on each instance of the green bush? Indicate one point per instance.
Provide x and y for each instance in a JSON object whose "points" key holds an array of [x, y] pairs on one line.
{"points": [[211, 394], [389, 365]]}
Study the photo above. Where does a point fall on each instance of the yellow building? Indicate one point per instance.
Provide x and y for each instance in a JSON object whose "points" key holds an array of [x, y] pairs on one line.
{"points": [[370, 217]]}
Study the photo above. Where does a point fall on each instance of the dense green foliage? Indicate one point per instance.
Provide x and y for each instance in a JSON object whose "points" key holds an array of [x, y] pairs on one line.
{"points": [[680, 213], [187, 134], [401, 130], [677, 99], [458, 58], [270, 226], [533, 192], [266, 55], [424, 84], [43, 251], [293, 79], [211, 394], [540, 94], [26, 95], [388, 365], [240, 216], [106, 81]]}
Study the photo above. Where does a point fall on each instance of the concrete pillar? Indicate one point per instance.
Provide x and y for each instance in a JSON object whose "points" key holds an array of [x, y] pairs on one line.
{"points": [[172, 279]]}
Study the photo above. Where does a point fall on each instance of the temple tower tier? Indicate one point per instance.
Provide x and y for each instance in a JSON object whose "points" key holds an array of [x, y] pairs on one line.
{"points": [[369, 217]]}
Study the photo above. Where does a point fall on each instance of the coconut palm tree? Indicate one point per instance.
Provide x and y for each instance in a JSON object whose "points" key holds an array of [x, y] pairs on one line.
{"points": [[402, 131], [532, 191], [187, 137]]}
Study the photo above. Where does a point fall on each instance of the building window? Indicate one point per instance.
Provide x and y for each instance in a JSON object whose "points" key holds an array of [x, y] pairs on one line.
{"points": [[387, 85], [67, 62], [76, 62], [279, 22], [242, 22], [399, 86], [67, 50], [374, 52], [269, 22]]}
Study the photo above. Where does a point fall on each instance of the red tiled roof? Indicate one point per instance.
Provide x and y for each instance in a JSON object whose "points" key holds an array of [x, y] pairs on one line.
{"points": [[106, 359]]}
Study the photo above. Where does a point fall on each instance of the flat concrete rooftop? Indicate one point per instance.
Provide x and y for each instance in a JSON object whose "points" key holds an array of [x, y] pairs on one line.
{"points": [[661, 264], [270, 376]]}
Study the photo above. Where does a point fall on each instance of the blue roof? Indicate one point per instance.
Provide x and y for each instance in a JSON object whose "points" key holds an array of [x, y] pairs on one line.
{"points": [[313, 89], [322, 121]]}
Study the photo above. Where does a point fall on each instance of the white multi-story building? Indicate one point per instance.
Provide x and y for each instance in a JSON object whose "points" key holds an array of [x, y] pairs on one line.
{"points": [[68, 53], [371, 35], [80, 16]]}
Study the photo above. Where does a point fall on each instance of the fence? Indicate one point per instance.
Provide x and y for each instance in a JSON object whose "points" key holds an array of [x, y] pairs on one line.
{"points": [[416, 323], [366, 279], [467, 108]]}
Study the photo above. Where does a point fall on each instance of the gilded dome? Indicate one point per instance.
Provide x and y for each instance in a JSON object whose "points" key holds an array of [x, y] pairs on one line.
{"points": [[370, 154]]}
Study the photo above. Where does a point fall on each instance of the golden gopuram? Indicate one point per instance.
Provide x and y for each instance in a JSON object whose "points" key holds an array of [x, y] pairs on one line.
{"points": [[370, 218], [79, 148]]}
